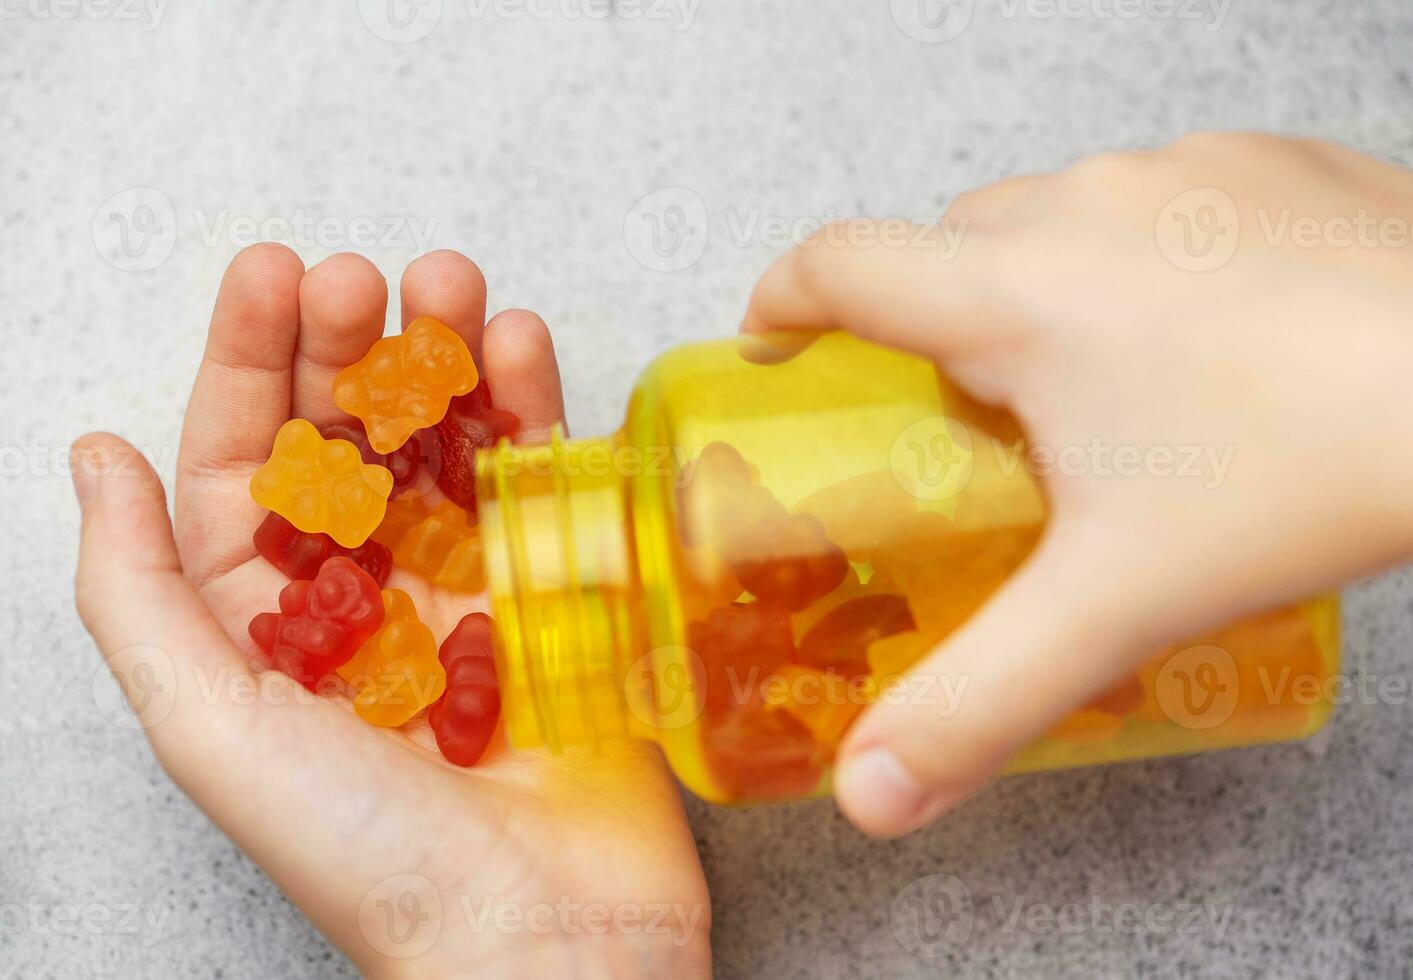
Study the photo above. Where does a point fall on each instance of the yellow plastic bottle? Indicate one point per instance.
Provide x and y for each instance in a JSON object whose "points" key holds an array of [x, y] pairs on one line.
{"points": [[784, 524]]}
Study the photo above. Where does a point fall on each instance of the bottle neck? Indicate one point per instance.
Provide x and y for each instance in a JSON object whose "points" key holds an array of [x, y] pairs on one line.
{"points": [[562, 574]]}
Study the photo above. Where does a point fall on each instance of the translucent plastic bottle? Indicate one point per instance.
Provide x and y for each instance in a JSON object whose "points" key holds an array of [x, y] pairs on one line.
{"points": [[783, 525]]}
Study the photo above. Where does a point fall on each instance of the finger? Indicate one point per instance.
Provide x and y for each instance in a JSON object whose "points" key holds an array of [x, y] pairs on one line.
{"points": [[524, 373], [343, 302], [448, 286], [925, 288], [242, 390], [165, 648], [1037, 650], [240, 398]]}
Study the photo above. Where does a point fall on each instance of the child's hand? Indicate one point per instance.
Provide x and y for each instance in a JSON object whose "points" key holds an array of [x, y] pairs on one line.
{"points": [[539, 867], [1080, 301]]}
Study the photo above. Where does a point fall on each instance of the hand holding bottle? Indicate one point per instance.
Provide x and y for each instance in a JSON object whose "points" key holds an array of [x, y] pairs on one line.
{"points": [[1242, 297]]}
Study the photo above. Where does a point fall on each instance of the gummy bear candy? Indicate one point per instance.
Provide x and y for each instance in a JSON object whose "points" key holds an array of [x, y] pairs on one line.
{"points": [[738, 645], [404, 383], [762, 754], [780, 557], [471, 423], [438, 544], [953, 575], [823, 701], [1103, 717], [465, 718], [790, 562], [321, 624], [420, 452], [1271, 664], [1087, 727], [320, 485], [1123, 698], [396, 673], [300, 554], [841, 638], [402, 515]]}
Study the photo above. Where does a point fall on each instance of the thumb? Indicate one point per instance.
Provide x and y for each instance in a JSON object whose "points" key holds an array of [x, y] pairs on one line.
{"points": [[1054, 636], [226, 737], [157, 636]]}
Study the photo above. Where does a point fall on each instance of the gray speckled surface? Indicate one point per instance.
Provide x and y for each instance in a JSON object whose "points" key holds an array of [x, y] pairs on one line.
{"points": [[526, 142]]}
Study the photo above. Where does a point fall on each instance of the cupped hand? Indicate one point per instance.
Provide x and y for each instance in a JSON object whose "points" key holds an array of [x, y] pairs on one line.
{"points": [[523, 865], [1240, 301]]}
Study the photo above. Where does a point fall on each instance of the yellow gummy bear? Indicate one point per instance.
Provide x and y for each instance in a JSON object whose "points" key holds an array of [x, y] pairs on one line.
{"points": [[320, 484], [405, 383], [396, 673]]}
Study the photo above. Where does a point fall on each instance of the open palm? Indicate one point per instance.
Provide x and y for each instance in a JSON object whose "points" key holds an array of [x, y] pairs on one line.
{"points": [[526, 864]]}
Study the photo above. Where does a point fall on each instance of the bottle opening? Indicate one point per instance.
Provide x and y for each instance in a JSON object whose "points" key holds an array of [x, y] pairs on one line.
{"points": [[563, 586]]}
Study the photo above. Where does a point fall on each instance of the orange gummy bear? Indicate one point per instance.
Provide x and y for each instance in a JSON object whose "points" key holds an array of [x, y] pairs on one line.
{"points": [[405, 383], [440, 544], [823, 701], [396, 672], [322, 485]]}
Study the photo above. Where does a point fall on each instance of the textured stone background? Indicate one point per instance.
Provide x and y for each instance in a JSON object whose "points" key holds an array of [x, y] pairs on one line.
{"points": [[526, 141]]}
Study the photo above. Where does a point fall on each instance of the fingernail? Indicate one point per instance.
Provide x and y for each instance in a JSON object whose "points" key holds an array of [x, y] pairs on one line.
{"points": [[883, 794]]}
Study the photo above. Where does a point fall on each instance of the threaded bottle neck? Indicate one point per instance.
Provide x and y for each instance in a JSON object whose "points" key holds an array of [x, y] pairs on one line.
{"points": [[563, 582]]}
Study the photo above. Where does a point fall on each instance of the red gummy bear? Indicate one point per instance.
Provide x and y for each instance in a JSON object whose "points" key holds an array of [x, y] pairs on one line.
{"points": [[739, 645], [472, 422], [757, 754], [420, 450], [321, 624], [300, 554], [783, 558], [841, 638], [464, 719], [792, 563]]}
